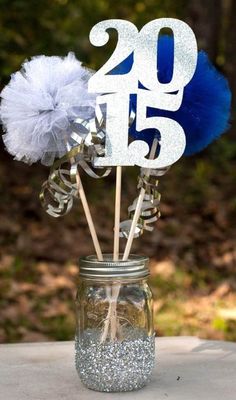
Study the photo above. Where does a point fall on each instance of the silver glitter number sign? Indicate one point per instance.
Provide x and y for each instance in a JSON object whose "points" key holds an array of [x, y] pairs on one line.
{"points": [[116, 89]]}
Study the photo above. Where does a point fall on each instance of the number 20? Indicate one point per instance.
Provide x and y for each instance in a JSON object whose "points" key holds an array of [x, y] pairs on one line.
{"points": [[143, 45]]}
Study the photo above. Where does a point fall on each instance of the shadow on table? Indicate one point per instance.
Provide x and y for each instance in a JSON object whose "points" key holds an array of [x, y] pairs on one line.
{"points": [[228, 348]]}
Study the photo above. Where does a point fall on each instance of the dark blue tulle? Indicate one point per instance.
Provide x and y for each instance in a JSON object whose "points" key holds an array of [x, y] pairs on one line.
{"points": [[205, 111]]}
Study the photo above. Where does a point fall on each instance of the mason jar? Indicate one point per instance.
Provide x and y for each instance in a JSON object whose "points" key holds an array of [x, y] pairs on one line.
{"points": [[114, 341]]}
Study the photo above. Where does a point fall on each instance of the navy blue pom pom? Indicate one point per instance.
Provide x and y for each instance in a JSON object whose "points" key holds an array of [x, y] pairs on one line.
{"points": [[205, 110]]}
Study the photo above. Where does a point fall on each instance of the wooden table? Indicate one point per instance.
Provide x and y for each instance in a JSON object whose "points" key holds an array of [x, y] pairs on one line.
{"points": [[187, 368]]}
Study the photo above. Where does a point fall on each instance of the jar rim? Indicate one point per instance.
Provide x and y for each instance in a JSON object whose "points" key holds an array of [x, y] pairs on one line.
{"points": [[135, 267]]}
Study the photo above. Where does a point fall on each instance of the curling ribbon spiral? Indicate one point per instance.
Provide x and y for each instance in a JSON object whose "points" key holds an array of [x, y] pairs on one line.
{"points": [[60, 189], [150, 212]]}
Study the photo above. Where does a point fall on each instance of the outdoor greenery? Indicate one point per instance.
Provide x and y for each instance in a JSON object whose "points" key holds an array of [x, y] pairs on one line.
{"points": [[192, 250]]}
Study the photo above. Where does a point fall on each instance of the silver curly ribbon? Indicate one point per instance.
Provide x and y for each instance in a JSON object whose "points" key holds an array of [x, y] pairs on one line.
{"points": [[60, 189], [150, 211]]}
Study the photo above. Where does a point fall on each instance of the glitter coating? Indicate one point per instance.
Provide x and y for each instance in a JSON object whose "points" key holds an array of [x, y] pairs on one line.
{"points": [[115, 366], [115, 90]]}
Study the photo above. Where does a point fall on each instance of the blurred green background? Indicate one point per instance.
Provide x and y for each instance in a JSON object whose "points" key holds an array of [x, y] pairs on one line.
{"points": [[192, 250]]}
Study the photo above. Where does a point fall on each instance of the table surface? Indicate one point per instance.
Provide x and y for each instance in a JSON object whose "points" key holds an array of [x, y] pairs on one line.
{"points": [[186, 368]]}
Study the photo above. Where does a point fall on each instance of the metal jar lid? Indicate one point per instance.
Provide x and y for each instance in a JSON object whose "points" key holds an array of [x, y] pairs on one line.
{"points": [[135, 267]]}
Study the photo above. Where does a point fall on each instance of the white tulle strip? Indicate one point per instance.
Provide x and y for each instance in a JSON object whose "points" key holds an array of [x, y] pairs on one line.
{"points": [[40, 103]]}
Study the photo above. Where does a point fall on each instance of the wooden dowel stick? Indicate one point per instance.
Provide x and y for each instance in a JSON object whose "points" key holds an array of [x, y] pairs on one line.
{"points": [[89, 217], [87, 212], [117, 214], [111, 317], [139, 206], [112, 312]]}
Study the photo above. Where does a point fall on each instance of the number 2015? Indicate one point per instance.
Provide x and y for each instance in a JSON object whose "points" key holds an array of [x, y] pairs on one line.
{"points": [[117, 88]]}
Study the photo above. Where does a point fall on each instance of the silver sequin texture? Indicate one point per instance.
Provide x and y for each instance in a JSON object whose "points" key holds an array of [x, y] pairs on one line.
{"points": [[115, 366]]}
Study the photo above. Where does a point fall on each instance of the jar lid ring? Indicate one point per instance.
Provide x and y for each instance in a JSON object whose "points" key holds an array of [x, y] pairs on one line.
{"points": [[135, 267]]}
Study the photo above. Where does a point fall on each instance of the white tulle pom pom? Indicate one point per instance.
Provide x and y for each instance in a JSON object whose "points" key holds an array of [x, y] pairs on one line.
{"points": [[40, 103]]}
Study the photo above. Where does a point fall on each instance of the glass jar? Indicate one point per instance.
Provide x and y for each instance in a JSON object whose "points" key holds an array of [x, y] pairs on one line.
{"points": [[114, 342]]}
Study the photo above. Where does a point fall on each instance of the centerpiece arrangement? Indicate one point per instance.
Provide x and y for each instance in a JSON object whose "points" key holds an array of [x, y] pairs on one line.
{"points": [[156, 98]]}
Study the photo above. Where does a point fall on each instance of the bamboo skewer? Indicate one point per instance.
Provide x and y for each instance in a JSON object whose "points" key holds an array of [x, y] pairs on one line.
{"points": [[114, 322], [117, 214], [87, 212], [139, 205], [112, 311], [116, 288], [96, 246], [111, 316], [88, 217], [97, 249]]}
